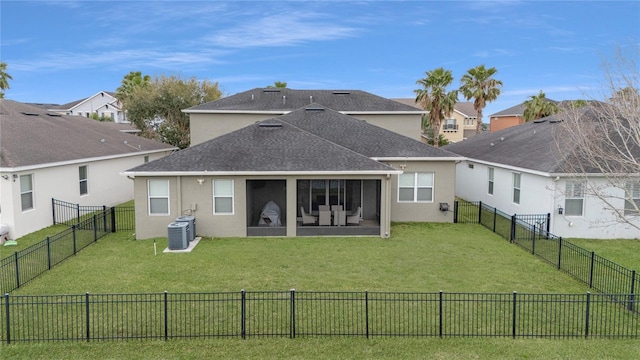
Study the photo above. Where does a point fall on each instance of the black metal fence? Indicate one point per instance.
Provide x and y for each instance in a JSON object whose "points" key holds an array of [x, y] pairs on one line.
{"points": [[67, 213], [27, 264], [531, 232], [294, 314]]}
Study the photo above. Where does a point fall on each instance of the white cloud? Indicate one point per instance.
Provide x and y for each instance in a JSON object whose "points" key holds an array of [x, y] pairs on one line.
{"points": [[282, 29]]}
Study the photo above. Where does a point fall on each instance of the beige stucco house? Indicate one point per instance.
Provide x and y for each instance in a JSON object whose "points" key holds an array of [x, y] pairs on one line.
{"points": [[458, 125], [46, 155], [350, 171]]}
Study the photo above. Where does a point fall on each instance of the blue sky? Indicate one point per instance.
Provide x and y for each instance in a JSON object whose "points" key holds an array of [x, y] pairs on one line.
{"points": [[61, 51]]}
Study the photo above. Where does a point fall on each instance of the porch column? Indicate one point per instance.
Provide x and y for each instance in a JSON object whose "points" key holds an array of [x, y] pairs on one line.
{"points": [[292, 212], [385, 207]]}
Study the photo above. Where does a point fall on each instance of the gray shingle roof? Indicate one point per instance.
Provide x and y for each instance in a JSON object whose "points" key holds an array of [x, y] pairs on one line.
{"points": [[32, 136], [530, 146], [285, 100], [313, 138], [517, 110], [360, 136], [465, 108]]}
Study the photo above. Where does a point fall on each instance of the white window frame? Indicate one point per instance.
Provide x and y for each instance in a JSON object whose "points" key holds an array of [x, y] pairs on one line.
{"points": [[416, 187], [571, 194], [491, 183], [29, 192], [158, 196], [84, 180], [632, 192], [517, 183], [221, 196]]}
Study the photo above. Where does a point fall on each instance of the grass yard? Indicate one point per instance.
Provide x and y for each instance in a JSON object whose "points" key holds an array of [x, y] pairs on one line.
{"points": [[334, 348], [418, 258], [622, 251]]}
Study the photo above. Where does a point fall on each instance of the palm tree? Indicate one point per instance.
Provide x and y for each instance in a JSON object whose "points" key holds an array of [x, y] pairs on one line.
{"points": [[4, 79], [538, 106], [278, 84], [434, 98], [478, 84]]}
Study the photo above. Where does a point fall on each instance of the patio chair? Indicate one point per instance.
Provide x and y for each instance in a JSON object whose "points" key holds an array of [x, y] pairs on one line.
{"points": [[324, 216], [306, 218], [355, 218], [339, 218]]}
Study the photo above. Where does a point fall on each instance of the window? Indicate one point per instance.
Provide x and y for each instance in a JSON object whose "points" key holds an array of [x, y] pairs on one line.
{"points": [[450, 124], [469, 121], [26, 192], [574, 198], [158, 197], [415, 187], [146, 159], [632, 199], [490, 191], [82, 175], [516, 188], [222, 196]]}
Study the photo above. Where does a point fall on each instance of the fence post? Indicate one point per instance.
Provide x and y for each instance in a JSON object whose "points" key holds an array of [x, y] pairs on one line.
{"points": [[113, 219], [53, 210], [586, 326], [513, 321], [15, 257], [440, 314], [243, 314], [104, 218], [166, 316], [479, 212], [292, 325], [86, 302], [559, 253], [78, 213], [512, 233], [495, 215], [366, 310], [633, 285], [49, 253], [455, 212], [73, 231], [548, 223], [533, 243], [593, 255], [6, 306], [95, 228]]}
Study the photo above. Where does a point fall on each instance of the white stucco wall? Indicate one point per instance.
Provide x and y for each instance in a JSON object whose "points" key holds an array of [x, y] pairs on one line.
{"points": [[105, 187], [540, 194]]}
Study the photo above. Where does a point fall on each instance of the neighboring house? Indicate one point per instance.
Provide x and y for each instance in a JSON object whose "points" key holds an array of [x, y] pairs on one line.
{"points": [[302, 161], [46, 155], [103, 104], [509, 117], [222, 116], [457, 126], [519, 170]]}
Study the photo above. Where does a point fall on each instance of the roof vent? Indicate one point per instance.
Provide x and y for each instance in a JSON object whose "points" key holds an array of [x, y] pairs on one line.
{"points": [[310, 99], [267, 90], [284, 99], [270, 124], [311, 108], [54, 114], [539, 121], [252, 97], [554, 121], [29, 113], [341, 92]]}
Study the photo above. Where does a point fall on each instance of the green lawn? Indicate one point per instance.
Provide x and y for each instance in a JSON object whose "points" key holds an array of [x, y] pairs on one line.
{"points": [[621, 251], [418, 257]]}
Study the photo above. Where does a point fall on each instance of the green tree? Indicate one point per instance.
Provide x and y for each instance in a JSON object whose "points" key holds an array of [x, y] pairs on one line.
{"points": [[433, 97], [428, 132], [156, 109], [538, 106], [132, 81], [278, 84], [478, 84], [4, 79]]}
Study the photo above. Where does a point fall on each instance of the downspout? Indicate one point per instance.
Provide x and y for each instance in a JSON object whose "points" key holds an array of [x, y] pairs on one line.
{"points": [[179, 186]]}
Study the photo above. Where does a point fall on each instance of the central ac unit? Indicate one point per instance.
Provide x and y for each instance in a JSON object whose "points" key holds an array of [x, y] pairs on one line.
{"points": [[191, 234], [177, 234]]}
